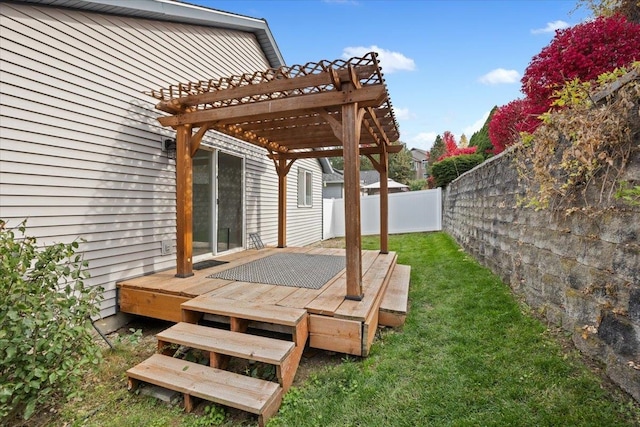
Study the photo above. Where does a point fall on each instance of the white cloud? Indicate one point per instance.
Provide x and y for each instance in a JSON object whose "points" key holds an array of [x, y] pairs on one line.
{"points": [[402, 113], [551, 27], [423, 140], [499, 76], [389, 61], [476, 126]]}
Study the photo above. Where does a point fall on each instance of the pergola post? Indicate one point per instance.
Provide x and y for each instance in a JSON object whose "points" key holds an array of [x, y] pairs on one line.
{"points": [[282, 170], [384, 201], [351, 142], [184, 202]]}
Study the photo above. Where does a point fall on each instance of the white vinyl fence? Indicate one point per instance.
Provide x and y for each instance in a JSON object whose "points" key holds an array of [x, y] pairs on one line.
{"points": [[409, 212]]}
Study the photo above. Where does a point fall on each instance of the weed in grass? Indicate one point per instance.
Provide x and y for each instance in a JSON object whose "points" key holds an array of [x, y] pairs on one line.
{"points": [[131, 339], [213, 415]]}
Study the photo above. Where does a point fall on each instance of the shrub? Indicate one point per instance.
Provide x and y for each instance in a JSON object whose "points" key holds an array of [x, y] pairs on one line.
{"points": [[450, 168], [578, 159], [417, 184], [452, 149], [45, 309], [509, 121], [583, 51]]}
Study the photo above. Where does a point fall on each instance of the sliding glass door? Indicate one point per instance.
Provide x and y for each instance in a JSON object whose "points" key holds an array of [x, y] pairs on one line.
{"points": [[218, 202]]}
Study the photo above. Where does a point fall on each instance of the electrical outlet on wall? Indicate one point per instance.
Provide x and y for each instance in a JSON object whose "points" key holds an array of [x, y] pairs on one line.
{"points": [[167, 247]]}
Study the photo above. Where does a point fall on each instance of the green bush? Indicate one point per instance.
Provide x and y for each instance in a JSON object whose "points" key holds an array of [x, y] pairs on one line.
{"points": [[450, 168], [417, 184], [45, 338]]}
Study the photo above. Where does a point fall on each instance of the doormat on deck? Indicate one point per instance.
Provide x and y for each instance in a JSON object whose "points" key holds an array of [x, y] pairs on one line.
{"points": [[208, 264], [287, 269]]}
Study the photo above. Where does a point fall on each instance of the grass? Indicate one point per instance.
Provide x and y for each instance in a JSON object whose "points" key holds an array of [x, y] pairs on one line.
{"points": [[468, 355]]}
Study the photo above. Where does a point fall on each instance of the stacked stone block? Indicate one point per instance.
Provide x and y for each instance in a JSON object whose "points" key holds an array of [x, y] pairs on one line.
{"points": [[580, 271]]}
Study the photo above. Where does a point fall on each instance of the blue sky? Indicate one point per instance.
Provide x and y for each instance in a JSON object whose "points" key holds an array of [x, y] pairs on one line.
{"points": [[446, 63]]}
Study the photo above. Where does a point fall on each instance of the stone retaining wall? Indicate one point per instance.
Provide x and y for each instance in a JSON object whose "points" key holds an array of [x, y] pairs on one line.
{"points": [[580, 272]]}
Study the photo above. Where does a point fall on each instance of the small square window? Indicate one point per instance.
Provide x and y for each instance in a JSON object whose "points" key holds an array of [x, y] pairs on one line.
{"points": [[305, 188]]}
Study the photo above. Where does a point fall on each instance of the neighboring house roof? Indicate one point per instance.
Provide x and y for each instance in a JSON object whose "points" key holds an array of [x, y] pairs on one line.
{"points": [[177, 11], [419, 155], [390, 183], [369, 177], [366, 177], [333, 177]]}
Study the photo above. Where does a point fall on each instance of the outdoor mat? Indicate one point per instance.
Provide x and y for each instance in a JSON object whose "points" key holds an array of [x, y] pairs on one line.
{"points": [[287, 269], [208, 264]]}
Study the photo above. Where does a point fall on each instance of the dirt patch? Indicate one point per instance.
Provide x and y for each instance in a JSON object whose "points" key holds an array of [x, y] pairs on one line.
{"points": [[338, 242]]}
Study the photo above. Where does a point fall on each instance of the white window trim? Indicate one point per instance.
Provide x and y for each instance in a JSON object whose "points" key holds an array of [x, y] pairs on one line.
{"points": [[305, 188]]}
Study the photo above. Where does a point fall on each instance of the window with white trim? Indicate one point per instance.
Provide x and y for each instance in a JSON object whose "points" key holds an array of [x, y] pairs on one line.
{"points": [[305, 188]]}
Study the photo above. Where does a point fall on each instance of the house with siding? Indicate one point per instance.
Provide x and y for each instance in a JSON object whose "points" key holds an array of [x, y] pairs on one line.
{"points": [[83, 155], [419, 159]]}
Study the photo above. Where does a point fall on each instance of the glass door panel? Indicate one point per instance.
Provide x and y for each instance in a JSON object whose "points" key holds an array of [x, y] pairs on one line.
{"points": [[202, 203], [230, 202]]}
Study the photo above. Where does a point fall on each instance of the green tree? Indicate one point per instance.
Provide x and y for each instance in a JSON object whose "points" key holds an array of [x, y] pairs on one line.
{"points": [[481, 139], [400, 167], [437, 150], [338, 163]]}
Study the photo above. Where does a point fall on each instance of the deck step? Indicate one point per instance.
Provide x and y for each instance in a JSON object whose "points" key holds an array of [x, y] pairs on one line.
{"points": [[393, 308], [236, 344], [193, 380], [273, 314]]}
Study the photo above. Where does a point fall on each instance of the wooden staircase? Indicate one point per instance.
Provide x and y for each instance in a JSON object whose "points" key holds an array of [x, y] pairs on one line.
{"points": [[394, 304], [213, 382]]}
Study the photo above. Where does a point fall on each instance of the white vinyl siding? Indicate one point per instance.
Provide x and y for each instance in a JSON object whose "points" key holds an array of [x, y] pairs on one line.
{"points": [[80, 145]]}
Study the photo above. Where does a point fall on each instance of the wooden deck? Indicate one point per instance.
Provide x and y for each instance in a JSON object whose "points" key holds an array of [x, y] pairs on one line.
{"points": [[320, 318], [335, 324]]}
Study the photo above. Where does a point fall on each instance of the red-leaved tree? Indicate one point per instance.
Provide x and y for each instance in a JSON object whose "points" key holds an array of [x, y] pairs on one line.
{"points": [[508, 121], [451, 147], [584, 51]]}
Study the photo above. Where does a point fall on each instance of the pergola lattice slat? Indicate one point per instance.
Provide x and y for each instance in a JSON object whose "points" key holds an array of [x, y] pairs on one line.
{"points": [[320, 109]]}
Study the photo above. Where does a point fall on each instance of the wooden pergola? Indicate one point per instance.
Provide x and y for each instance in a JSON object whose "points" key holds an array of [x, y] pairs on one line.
{"points": [[324, 109]]}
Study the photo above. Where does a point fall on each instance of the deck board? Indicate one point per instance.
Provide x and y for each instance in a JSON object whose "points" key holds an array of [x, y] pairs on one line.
{"points": [[333, 296], [373, 282], [160, 295]]}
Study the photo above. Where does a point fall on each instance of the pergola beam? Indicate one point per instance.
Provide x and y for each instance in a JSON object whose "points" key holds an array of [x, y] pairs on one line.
{"points": [[280, 83], [367, 96], [316, 154]]}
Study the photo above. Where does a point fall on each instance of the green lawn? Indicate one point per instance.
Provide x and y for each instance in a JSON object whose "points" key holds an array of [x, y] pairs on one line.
{"points": [[469, 355]]}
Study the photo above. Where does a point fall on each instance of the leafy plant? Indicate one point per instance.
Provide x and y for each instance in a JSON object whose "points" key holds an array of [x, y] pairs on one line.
{"points": [[452, 149], [580, 54], [132, 338], [481, 139], [213, 416], [509, 121], [581, 152], [45, 310], [450, 168], [417, 184], [631, 195], [583, 51]]}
